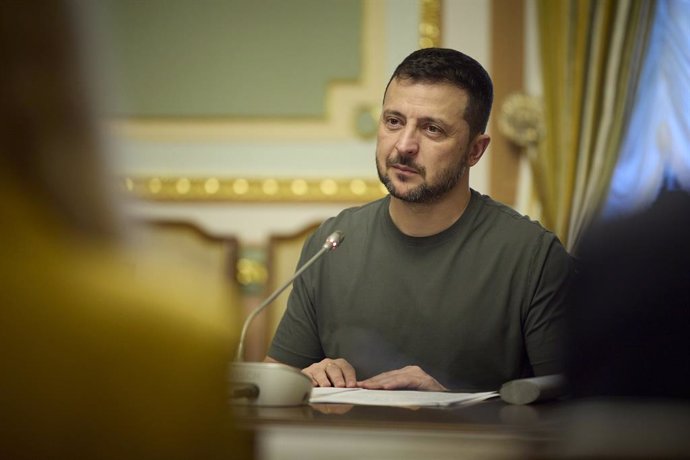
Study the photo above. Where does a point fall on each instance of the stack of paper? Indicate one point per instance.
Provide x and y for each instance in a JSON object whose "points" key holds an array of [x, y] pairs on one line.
{"points": [[401, 398]]}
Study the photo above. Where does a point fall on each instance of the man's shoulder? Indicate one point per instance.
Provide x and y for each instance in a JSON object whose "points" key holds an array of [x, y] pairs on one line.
{"points": [[505, 219], [505, 228], [355, 215], [352, 221], [364, 210]]}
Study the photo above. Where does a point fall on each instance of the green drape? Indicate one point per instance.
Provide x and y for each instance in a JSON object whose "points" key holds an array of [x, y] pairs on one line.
{"points": [[591, 55]]}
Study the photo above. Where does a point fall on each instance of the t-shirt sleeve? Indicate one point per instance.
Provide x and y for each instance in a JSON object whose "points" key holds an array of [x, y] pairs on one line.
{"points": [[552, 271], [296, 341]]}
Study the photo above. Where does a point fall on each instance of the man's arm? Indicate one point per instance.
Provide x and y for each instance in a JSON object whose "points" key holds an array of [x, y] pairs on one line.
{"points": [[296, 341], [544, 324]]}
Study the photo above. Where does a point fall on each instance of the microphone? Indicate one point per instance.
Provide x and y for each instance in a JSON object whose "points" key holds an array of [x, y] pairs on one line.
{"points": [[533, 389], [273, 384]]}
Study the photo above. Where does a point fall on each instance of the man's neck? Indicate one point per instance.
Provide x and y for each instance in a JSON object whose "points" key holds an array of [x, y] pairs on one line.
{"points": [[427, 219]]}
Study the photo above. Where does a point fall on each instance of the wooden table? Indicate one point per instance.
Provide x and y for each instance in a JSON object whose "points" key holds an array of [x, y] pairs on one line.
{"points": [[485, 430]]}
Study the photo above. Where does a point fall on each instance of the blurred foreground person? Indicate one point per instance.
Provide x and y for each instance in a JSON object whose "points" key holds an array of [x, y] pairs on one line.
{"points": [[629, 336], [94, 363]]}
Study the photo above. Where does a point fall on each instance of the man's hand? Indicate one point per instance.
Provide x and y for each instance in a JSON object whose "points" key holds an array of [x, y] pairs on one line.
{"points": [[407, 378], [331, 373]]}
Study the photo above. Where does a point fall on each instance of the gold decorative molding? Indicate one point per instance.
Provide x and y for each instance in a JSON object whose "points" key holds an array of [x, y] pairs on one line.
{"points": [[252, 273], [430, 24], [254, 190]]}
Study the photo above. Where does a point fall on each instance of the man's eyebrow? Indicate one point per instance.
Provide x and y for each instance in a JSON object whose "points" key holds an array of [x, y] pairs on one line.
{"points": [[433, 120], [438, 121], [394, 113]]}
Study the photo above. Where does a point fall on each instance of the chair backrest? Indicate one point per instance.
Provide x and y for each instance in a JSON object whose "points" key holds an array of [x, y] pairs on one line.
{"points": [[189, 245]]}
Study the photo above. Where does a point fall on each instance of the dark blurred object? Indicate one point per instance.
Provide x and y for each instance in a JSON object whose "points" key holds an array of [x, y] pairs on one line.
{"points": [[628, 341], [629, 319], [624, 429]]}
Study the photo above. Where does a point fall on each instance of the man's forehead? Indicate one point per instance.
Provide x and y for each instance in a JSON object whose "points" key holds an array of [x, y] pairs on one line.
{"points": [[398, 84], [441, 96]]}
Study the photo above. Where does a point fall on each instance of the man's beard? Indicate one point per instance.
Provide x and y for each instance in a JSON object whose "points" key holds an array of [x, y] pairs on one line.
{"points": [[425, 192]]}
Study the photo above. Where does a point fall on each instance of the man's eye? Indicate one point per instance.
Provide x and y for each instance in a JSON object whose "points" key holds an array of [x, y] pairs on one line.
{"points": [[392, 122], [433, 129]]}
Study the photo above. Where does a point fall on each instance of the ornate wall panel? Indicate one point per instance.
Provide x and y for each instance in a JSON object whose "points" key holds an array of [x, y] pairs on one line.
{"points": [[238, 70]]}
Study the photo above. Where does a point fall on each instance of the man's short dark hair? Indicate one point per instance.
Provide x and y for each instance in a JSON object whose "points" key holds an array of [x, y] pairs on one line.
{"points": [[443, 65]]}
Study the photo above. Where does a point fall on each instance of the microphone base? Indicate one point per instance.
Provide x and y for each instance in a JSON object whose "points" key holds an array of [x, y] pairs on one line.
{"points": [[268, 384]]}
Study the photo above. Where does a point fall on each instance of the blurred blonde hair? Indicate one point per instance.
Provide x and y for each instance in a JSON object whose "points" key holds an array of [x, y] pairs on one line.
{"points": [[96, 362], [49, 145]]}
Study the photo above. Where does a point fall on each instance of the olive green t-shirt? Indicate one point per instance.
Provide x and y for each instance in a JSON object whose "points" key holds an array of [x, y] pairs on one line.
{"points": [[474, 306]]}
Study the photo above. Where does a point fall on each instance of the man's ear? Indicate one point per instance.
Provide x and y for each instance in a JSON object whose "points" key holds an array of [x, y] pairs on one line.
{"points": [[477, 148]]}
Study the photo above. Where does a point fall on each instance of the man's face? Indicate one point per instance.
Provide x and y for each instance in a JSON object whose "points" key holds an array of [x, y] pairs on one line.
{"points": [[423, 140]]}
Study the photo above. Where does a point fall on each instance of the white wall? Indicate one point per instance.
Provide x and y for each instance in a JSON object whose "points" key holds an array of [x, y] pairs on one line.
{"points": [[466, 27]]}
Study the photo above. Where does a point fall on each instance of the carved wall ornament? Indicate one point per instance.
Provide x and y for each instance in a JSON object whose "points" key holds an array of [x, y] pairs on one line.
{"points": [[521, 119]]}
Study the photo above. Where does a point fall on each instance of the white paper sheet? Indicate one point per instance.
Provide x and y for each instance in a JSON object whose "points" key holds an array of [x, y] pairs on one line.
{"points": [[400, 398]]}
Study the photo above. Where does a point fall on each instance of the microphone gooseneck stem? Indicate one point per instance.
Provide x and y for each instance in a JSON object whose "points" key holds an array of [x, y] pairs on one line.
{"points": [[240, 348]]}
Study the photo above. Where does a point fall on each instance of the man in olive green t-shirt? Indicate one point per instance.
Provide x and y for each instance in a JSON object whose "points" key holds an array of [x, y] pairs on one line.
{"points": [[436, 286]]}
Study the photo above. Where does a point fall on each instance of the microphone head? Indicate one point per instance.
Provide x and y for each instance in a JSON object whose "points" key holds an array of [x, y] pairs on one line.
{"points": [[334, 240]]}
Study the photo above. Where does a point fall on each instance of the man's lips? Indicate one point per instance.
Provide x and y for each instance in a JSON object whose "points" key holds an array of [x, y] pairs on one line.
{"points": [[404, 169]]}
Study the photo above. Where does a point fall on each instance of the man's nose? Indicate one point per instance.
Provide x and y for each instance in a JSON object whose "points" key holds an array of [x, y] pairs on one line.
{"points": [[408, 143]]}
